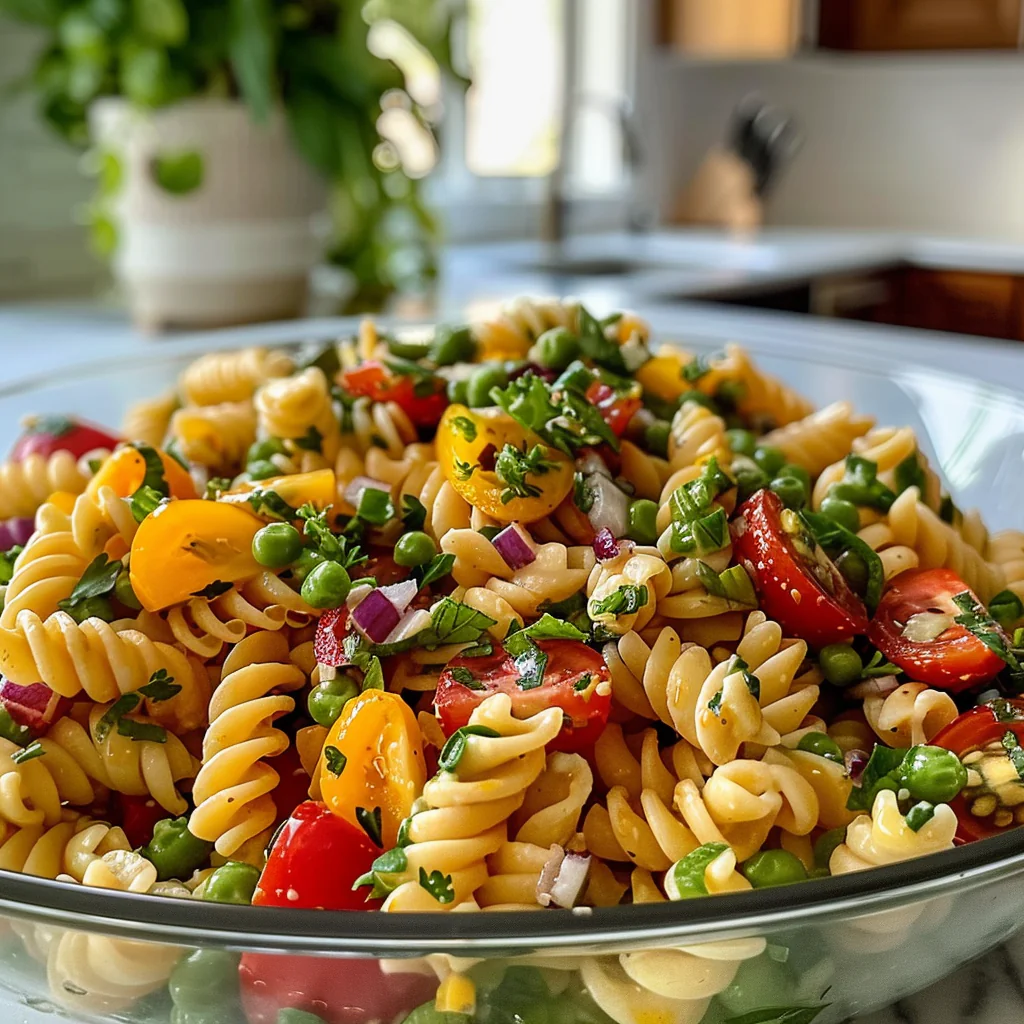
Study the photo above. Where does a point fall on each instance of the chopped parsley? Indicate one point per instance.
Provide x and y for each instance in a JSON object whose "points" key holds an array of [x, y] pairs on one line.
{"points": [[213, 590], [414, 513], [464, 470], [466, 427], [513, 466], [97, 581], [1014, 751], [438, 885], [335, 760], [160, 687], [370, 822]]}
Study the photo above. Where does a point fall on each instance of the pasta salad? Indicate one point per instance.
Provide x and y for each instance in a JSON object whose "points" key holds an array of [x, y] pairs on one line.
{"points": [[529, 613]]}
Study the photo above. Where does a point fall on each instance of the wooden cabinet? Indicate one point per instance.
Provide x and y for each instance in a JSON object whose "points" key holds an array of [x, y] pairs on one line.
{"points": [[966, 303], [919, 24]]}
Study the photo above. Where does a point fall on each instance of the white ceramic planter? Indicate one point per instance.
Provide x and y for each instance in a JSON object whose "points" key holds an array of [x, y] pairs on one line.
{"points": [[239, 245]]}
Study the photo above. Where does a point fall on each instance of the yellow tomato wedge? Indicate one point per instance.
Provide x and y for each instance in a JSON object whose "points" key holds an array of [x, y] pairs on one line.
{"points": [[662, 375], [373, 757], [469, 441], [184, 546], [319, 487], [125, 472]]}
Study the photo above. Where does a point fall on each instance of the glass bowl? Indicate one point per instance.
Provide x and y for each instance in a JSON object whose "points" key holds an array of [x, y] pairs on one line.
{"points": [[821, 950]]}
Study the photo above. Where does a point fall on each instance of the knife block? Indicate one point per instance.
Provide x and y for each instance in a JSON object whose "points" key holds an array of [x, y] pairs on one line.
{"points": [[722, 194]]}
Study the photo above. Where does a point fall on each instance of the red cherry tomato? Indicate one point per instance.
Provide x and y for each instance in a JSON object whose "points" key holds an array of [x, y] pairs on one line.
{"points": [[137, 815], [569, 661], [381, 565], [956, 659], [314, 862], [379, 383], [993, 800], [798, 585], [293, 789], [331, 630], [616, 408], [48, 434]]}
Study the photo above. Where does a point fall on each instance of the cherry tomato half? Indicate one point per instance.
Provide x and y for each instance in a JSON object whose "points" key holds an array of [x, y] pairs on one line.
{"points": [[313, 864], [616, 408], [798, 585], [955, 659], [983, 738], [422, 398], [45, 435], [569, 663]]}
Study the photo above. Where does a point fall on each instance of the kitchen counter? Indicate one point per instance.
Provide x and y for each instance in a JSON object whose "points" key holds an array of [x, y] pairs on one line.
{"points": [[41, 340]]}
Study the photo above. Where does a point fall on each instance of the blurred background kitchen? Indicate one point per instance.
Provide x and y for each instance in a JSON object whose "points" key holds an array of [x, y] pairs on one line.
{"points": [[197, 162]]}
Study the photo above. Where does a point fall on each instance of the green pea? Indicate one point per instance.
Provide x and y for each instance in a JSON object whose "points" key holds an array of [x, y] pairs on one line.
{"points": [[326, 701], [206, 979], [306, 563], [124, 593], [262, 469], [643, 521], [792, 469], [413, 549], [773, 867], [841, 664], [557, 348], [656, 437], [769, 458], [277, 545], [791, 490], [842, 512], [289, 1015], [234, 882], [482, 379], [932, 773], [326, 586], [759, 982], [826, 844], [263, 451], [854, 570], [458, 392], [405, 349], [821, 744], [173, 850], [750, 478], [742, 442], [452, 345]]}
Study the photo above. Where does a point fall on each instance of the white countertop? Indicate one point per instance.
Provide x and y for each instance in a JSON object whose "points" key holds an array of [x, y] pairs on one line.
{"points": [[41, 339]]}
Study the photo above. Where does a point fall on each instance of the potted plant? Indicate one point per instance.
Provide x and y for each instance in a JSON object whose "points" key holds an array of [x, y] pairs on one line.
{"points": [[224, 132]]}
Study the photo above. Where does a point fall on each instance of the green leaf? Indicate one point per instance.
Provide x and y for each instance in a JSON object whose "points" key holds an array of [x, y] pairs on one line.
{"points": [[547, 627], [779, 1015], [124, 705], [582, 494], [455, 746], [160, 687], [373, 675], [464, 677], [530, 663], [269, 504], [97, 581], [1014, 752], [455, 623], [7, 560], [835, 539], [734, 584], [313, 119], [910, 473], [311, 441], [438, 885], [878, 667], [414, 514], [144, 502], [370, 822], [596, 346], [335, 760], [697, 367], [920, 814], [879, 773], [375, 506], [154, 477], [382, 873], [163, 22], [252, 47], [466, 427], [860, 485], [688, 873], [627, 600], [1006, 608], [513, 466], [36, 12], [974, 618], [436, 569], [213, 590], [141, 731], [30, 753]]}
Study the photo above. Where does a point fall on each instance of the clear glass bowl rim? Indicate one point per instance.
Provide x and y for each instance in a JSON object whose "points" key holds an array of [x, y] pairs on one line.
{"points": [[504, 933]]}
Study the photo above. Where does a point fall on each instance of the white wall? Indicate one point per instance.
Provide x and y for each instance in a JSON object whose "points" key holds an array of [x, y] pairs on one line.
{"points": [[909, 142]]}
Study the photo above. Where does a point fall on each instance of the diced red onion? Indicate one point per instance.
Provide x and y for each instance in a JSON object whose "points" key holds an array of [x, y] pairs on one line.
{"points": [[605, 545], [563, 879], [536, 369], [359, 484], [356, 595], [855, 761], [35, 706], [15, 531], [401, 594], [878, 687], [375, 616], [610, 508], [515, 546]]}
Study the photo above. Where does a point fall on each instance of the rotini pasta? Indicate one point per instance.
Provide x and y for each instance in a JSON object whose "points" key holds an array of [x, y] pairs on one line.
{"points": [[231, 376], [25, 485]]}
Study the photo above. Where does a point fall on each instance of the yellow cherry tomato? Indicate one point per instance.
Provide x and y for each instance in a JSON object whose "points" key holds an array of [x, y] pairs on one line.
{"points": [[184, 546], [319, 487], [373, 757], [662, 375], [468, 443], [125, 472]]}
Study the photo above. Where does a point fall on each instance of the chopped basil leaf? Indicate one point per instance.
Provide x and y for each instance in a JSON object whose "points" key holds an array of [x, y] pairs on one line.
{"points": [[383, 871], [910, 473], [878, 774], [1014, 751], [98, 579], [919, 815], [124, 705], [627, 600], [373, 675], [835, 540], [269, 503], [477, 651], [154, 476], [688, 873], [141, 731], [7, 560], [464, 470], [160, 687], [715, 704], [596, 346], [547, 627], [436, 569], [878, 666], [375, 506], [370, 822], [583, 682], [455, 746], [414, 514], [216, 486], [699, 366], [144, 502], [1006, 608], [465, 678], [327, 544], [974, 618], [734, 584], [466, 427], [311, 441], [438, 885], [335, 760]]}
